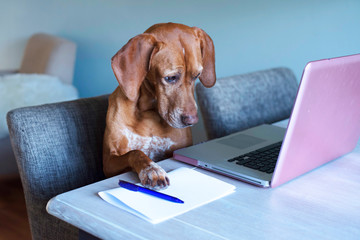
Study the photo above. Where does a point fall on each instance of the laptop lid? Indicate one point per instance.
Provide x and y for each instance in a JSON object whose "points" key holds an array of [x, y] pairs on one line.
{"points": [[325, 121]]}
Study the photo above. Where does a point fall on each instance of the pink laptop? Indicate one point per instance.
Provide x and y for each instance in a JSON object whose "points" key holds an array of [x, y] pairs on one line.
{"points": [[324, 125]]}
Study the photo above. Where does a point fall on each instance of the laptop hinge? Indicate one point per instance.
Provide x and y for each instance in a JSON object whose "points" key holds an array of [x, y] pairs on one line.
{"points": [[245, 179]]}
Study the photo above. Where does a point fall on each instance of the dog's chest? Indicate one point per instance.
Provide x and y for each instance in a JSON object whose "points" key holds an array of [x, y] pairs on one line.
{"points": [[154, 147]]}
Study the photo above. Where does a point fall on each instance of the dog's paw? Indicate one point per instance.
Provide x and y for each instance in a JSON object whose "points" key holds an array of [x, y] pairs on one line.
{"points": [[154, 177]]}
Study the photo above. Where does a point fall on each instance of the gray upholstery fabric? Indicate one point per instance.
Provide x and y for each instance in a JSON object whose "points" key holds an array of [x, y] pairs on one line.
{"points": [[243, 101], [58, 147]]}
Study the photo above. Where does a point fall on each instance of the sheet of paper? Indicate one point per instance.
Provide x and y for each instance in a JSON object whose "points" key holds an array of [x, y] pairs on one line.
{"points": [[193, 187]]}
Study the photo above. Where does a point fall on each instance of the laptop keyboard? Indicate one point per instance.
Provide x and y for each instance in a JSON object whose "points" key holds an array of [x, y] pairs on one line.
{"points": [[263, 159]]}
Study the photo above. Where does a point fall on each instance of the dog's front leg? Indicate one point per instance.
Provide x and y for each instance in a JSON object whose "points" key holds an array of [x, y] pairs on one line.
{"points": [[150, 173]]}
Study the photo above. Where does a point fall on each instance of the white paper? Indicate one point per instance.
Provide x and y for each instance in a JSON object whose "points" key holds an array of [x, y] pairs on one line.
{"points": [[193, 187]]}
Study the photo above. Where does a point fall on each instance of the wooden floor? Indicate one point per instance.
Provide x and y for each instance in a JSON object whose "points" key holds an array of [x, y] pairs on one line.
{"points": [[13, 217]]}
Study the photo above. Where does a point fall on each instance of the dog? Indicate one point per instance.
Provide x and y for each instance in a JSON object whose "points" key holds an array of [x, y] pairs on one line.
{"points": [[151, 110]]}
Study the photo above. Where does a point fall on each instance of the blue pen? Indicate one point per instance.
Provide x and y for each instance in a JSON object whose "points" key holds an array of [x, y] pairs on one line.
{"points": [[137, 188]]}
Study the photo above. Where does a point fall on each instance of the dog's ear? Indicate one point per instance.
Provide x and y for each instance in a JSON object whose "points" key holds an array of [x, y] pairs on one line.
{"points": [[208, 75], [131, 63]]}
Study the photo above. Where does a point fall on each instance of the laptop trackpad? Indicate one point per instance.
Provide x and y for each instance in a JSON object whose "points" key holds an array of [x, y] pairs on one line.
{"points": [[241, 141]]}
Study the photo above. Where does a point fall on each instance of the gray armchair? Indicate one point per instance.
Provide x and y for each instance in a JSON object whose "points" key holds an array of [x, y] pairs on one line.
{"points": [[244, 101], [58, 147]]}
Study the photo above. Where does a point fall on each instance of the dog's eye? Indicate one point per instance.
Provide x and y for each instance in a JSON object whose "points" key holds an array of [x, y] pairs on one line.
{"points": [[171, 79]]}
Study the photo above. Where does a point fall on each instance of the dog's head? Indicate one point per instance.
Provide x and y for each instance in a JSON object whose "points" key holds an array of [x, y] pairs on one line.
{"points": [[167, 58]]}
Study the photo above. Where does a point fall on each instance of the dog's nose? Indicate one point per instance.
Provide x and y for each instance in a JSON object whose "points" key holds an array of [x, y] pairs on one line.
{"points": [[189, 120]]}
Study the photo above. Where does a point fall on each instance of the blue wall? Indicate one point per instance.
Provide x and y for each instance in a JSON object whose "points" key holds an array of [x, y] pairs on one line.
{"points": [[248, 35]]}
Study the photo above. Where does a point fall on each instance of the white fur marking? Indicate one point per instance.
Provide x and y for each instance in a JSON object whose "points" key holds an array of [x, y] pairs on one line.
{"points": [[154, 147]]}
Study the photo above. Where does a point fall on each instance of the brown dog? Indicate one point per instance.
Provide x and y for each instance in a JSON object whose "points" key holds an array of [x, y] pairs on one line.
{"points": [[154, 104]]}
